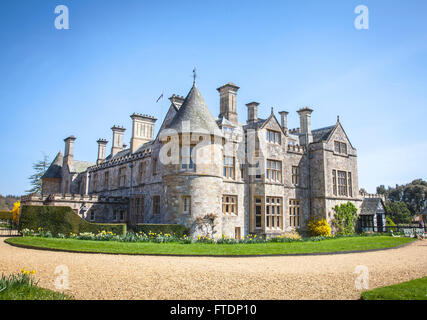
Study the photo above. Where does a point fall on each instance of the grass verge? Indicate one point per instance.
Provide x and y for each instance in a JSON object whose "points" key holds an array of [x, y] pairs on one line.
{"points": [[23, 287], [324, 246], [411, 290]]}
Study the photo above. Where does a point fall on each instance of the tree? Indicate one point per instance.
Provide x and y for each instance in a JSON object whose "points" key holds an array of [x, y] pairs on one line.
{"points": [[363, 191], [40, 168], [413, 194], [399, 212]]}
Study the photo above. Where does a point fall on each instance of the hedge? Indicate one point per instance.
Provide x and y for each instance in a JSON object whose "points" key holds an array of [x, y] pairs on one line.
{"points": [[176, 229], [62, 220], [5, 215]]}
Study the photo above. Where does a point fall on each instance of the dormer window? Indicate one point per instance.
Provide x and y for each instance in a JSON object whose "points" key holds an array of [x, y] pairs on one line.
{"points": [[273, 136], [340, 147]]}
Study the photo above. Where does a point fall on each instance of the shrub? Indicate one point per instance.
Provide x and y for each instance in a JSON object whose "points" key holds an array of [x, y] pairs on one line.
{"points": [[177, 230], [318, 227], [5, 215], [390, 223], [345, 218], [62, 220], [16, 211]]}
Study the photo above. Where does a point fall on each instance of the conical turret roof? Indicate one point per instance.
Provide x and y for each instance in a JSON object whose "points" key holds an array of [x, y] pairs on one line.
{"points": [[194, 115], [55, 168]]}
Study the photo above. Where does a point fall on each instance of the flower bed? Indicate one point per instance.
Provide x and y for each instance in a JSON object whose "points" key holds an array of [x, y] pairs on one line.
{"points": [[168, 238]]}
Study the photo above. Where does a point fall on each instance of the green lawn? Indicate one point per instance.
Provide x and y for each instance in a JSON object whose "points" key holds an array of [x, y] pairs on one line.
{"points": [[411, 290], [332, 245], [22, 292]]}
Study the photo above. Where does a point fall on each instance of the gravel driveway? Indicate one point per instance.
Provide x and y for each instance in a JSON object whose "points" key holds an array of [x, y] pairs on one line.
{"points": [[100, 276]]}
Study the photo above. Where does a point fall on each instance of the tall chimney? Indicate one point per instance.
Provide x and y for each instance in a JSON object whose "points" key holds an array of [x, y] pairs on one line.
{"points": [[118, 133], [177, 101], [284, 120], [102, 146], [305, 126], [252, 112], [227, 102], [142, 130], [69, 151]]}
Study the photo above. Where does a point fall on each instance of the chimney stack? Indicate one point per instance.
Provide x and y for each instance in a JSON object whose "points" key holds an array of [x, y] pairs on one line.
{"points": [[305, 126], [252, 112], [284, 120], [118, 133], [227, 102], [142, 130], [69, 152], [177, 101], [102, 146]]}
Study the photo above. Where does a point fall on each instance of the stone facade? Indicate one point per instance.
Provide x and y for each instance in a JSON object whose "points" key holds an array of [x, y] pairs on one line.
{"points": [[255, 177]]}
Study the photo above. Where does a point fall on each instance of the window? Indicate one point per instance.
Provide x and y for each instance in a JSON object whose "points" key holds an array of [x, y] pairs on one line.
{"points": [[229, 167], [122, 177], [242, 172], [295, 175], [122, 215], [295, 213], [141, 172], [334, 182], [350, 189], [340, 147], [156, 205], [114, 215], [257, 170], [258, 213], [229, 204], [273, 213], [92, 215], [227, 129], [106, 179], [95, 182], [273, 136], [342, 183], [154, 166], [274, 170], [186, 204], [187, 161]]}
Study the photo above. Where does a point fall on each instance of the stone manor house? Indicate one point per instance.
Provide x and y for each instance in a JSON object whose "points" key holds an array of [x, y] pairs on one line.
{"points": [[256, 177]]}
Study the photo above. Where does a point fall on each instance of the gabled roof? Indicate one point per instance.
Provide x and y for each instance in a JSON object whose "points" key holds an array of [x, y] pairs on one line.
{"points": [[195, 112], [55, 168], [272, 116], [322, 134], [371, 206]]}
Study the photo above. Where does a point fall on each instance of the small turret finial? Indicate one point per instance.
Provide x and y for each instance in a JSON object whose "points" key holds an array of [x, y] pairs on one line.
{"points": [[272, 110], [194, 75], [338, 118]]}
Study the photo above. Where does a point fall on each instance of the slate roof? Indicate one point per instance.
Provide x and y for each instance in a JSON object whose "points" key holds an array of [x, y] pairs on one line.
{"points": [[369, 206], [322, 134], [119, 154], [81, 166], [55, 168], [195, 111]]}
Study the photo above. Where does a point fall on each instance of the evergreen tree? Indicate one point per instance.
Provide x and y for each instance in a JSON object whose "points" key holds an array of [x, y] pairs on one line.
{"points": [[40, 168]]}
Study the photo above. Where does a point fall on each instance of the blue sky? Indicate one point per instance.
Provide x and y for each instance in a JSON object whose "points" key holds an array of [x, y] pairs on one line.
{"points": [[118, 57]]}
